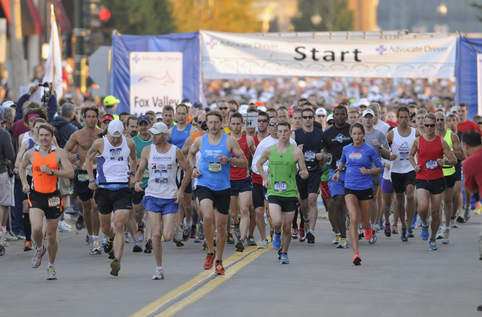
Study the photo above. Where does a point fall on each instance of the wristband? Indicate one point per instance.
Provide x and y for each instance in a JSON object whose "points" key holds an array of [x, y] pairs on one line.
{"points": [[92, 181]]}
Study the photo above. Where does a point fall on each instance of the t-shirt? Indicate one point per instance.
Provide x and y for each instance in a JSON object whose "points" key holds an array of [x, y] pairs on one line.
{"points": [[382, 127], [264, 144], [376, 135], [140, 145], [312, 144], [466, 126], [473, 172], [334, 139], [355, 157]]}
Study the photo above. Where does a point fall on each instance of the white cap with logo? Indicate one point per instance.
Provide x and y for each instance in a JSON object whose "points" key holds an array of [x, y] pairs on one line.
{"points": [[321, 111], [115, 128], [159, 127], [368, 111]]}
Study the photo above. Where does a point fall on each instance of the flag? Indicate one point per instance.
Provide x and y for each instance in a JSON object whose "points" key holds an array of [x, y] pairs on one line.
{"points": [[53, 66]]}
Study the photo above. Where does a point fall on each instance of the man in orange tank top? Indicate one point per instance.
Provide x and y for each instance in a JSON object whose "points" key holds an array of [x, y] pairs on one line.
{"points": [[48, 164], [432, 153]]}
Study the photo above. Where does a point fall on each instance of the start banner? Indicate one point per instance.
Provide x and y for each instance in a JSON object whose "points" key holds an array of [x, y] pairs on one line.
{"points": [[249, 55]]}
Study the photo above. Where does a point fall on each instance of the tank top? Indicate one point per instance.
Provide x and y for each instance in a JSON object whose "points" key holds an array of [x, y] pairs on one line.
{"points": [[239, 173], [42, 182], [113, 165], [256, 178], [448, 170], [214, 175], [401, 147], [178, 138], [162, 173], [427, 154], [282, 173], [195, 135], [26, 137]]}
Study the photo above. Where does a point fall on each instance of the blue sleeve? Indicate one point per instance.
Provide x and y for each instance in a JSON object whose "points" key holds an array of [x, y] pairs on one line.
{"points": [[52, 107], [376, 159], [343, 156], [18, 108]]}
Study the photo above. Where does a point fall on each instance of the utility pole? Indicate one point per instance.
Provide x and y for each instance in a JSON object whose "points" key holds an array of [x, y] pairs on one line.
{"points": [[19, 68], [78, 40]]}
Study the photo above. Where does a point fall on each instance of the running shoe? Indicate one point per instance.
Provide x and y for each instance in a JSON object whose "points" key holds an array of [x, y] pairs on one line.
{"points": [[440, 233], [230, 239], [373, 238], [460, 219], [219, 269], [452, 223], [294, 233], [64, 227], [148, 247], [377, 227], [388, 232], [410, 233], [284, 258], [433, 244], [95, 248], [342, 243], [336, 241], [27, 246], [208, 264], [137, 248], [239, 246], [10, 236], [395, 229], [177, 233], [466, 215], [200, 232], [310, 237], [357, 259], [414, 220], [302, 234], [445, 238], [424, 233], [251, 242], [403, 236], [2, 250], [186, 233], [114, 267], [368, 233], [37, 256], [51, 274], [128, 238], [79, 224], [158, 274], [109, 244], [277, 240], [263, 244], [179, 244]]}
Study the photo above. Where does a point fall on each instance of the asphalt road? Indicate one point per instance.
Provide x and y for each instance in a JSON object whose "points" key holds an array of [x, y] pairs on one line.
{"points": [[395, 279]]}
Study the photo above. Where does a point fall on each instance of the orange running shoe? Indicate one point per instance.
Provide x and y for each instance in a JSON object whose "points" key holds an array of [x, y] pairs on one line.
{"points": [[368, 233], [209, 261], [219, 270]]}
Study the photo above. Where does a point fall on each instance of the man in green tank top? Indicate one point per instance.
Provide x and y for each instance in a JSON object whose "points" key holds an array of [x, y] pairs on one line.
{"points": [[281, 184]]}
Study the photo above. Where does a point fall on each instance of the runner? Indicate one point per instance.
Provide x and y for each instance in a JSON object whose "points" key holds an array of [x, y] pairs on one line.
{"points": [[48, 163], [241, 187], [168, 116], [161, 160], [77, 146], [309, 140], [281, 183], [401, 139], [218, 152], [358, 158], [112, 182], [334, 139], [430, 150], [449, 175]]}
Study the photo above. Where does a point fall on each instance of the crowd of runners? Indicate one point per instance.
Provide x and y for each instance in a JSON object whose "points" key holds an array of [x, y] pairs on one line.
{"points": [[224, 174]]}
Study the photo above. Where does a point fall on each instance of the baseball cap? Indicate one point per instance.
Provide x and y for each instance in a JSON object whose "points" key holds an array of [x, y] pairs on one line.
{"points": [[368, 111], [330, 117], [320, 112], [110, 101], [144, 118], [107, 117], [159, 127], [115, 128], [158, 116], [363, 102]]}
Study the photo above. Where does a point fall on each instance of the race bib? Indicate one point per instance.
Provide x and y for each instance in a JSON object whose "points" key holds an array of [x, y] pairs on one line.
{"points": [[280, 187], [145, 174], [83, 177], [310, 156], [215, 167], [161, 176], [54, 201], [432, 164], [403, 156]]}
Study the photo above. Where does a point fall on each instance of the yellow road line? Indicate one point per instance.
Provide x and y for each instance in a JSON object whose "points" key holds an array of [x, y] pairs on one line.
{"points": [[201, 277], [210, 286]]}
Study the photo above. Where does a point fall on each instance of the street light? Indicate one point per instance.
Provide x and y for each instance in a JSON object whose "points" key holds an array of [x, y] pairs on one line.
{"points": [[442, 9], [316, 19]]}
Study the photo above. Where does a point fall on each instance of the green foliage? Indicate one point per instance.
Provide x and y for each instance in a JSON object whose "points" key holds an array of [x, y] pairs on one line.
{"points": [[479, 8], [141, 17], [335, 16]]}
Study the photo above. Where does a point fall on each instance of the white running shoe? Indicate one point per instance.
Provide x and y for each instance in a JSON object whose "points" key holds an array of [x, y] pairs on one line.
{"points": [[337, 239], [263, 244], [158, 274], [37, 256], [64, 226], [51, 274]]}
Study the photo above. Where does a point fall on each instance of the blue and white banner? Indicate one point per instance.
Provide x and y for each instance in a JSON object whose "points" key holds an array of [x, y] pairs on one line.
{"points": [[479, 83], [248, 55]]}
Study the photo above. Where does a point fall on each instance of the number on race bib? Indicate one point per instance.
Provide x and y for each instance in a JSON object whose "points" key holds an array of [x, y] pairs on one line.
{"points": [[432, 164], [280, 187], [310, 156], [54, 201], [215, 167]]}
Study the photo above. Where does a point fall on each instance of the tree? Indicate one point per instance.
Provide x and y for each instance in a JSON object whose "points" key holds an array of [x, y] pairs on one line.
{"points": [[479, 8], [142, 17], [215, 15], [323, 15]]}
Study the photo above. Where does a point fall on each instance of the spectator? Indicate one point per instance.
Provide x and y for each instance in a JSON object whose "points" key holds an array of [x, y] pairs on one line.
{"points": [[63, 124]]}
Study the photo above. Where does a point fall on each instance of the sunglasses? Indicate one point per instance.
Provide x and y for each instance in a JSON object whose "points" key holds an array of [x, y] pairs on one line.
{"points": [[321, 116], [308, 117], [262, 121], [430, 125], [223, 108], [273, 124], [440, 120], [479, 122]]}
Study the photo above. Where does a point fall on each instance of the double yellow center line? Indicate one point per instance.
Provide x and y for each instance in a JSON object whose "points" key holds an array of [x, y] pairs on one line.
{"points": [[233, 264]]}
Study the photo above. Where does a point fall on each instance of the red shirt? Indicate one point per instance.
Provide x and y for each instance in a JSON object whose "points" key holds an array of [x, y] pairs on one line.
{"points": [[473, 172], [18, 128], [427, 155], [239, 173], [467, 126]]}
